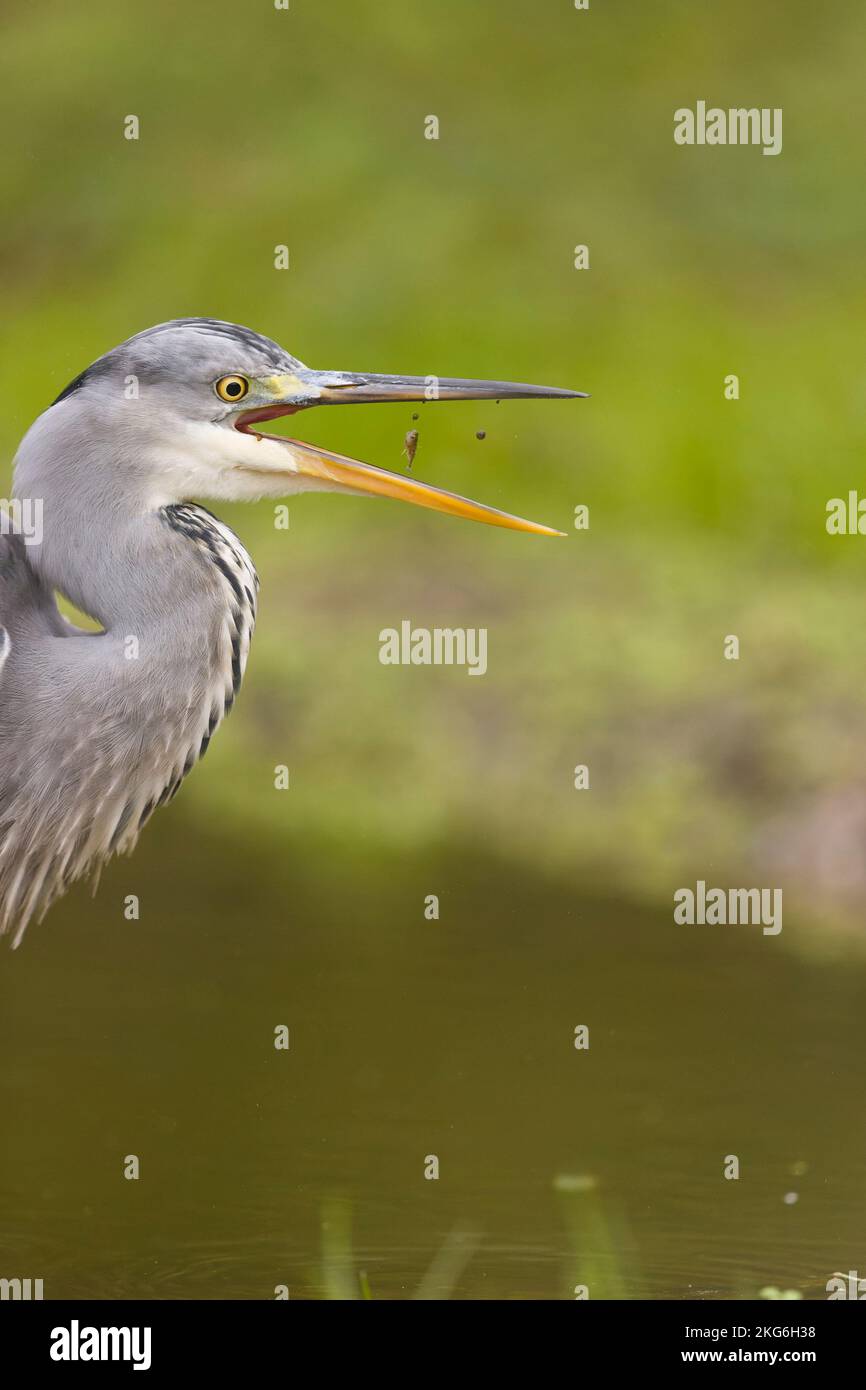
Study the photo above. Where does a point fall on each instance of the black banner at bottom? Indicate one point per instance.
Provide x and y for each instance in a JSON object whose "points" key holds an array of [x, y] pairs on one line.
{"points": [[152, 1338]]}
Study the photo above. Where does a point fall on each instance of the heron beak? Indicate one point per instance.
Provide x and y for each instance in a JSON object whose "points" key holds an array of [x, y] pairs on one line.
{"points": [[335, 471], [361, 388]]}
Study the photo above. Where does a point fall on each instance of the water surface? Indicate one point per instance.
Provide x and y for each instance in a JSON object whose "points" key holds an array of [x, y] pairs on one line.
{"points": [[412, 1038]]}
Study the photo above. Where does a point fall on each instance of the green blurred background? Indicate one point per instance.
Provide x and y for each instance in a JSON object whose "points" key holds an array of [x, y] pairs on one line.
{"points": [[306, 128]]}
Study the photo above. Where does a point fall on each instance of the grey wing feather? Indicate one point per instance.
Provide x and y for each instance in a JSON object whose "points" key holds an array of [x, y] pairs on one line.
{"points": [[28, 611], [25, 603]]}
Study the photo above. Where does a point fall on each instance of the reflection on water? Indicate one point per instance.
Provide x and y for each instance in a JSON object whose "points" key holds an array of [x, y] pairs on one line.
{"points": [[412, 1038]]}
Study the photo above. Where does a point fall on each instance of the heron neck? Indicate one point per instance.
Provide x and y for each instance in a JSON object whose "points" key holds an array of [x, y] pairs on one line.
{"points": [[176, 591], [130, 573], [106, 542], [171, 586]]}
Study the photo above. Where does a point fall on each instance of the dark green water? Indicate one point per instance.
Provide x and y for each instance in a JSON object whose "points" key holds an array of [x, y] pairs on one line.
{"points": [[411, 1038]]}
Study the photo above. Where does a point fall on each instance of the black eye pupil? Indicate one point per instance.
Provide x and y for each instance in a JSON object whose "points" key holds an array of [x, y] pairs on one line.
{"points": [[234, 388]]}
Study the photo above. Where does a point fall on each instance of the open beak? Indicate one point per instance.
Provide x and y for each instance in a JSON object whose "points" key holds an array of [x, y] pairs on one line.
{"points": [[329, 470]]}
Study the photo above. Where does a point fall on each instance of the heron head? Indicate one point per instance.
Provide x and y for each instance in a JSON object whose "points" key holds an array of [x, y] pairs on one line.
{"points": [[185, 402]]}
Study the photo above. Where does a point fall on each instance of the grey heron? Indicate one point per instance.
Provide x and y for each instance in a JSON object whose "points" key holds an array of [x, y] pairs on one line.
{"points": [[98, 729]]}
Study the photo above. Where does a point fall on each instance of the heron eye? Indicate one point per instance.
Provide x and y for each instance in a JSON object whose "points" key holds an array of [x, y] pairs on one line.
{"points": [[232, 388]]}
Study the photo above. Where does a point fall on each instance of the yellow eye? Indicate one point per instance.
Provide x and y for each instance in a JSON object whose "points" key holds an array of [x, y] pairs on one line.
{"points": [[232, 388]]}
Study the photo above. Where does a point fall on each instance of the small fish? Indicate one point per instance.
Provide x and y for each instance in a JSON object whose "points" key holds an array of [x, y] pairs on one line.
{"points": [[410, 444]]}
